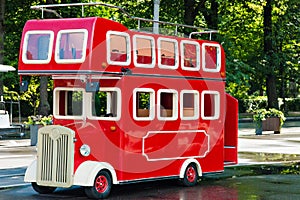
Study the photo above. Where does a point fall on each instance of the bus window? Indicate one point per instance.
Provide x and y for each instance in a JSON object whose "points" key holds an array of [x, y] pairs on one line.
{"points": [[190, 55], [37, 47], [68, 103], [167, 104], [189, 101], [167, 53], [144, 51], [210, 105], [118, 48], [143, 104], [211, 57], [106, 104], [71, 46]]}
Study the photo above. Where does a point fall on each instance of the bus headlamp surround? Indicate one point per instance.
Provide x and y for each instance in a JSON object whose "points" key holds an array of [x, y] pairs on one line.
{"points": [[85, 150]]}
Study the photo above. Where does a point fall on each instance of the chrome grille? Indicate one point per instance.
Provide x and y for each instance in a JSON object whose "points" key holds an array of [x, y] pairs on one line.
{"points": [[55, 156]]}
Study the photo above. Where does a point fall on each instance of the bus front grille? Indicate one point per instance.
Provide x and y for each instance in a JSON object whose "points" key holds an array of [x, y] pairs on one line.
{"points": [[55, 156]]}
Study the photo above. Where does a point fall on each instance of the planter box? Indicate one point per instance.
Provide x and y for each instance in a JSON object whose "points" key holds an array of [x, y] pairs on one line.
{"points": [[271, 124], [34, 134]]}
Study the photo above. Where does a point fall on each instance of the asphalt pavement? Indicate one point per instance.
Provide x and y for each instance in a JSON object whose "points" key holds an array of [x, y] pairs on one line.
{"points": [[252, 148]]}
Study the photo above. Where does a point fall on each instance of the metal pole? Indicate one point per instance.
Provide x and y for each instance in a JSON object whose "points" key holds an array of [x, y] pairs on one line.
{"points": [[156, 16]]}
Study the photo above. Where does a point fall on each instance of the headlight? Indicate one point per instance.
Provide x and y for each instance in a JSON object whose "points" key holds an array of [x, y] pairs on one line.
{"points": [[85, 150]]}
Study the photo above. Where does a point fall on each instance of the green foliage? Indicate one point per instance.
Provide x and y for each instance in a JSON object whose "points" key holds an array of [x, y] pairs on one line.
{"points": [[39, 119], [240, 25]]}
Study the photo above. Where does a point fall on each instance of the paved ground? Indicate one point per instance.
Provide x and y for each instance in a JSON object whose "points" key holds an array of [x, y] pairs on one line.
{"points": [[252, 148]]}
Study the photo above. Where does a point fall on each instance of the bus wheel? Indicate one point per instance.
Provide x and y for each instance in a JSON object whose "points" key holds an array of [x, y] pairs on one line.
{"points": [[190, 175], [102, 186], [42, 189]]}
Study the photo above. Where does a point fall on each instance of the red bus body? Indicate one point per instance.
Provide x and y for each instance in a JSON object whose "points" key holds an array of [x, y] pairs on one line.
{"points": [[163, 104]]}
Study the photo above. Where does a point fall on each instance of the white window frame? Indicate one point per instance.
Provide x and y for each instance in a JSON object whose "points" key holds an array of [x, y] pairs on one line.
{"points": [[197, 67], [151, 106], [218, 61], [25, 46], [216, 108], [108, 50], [135, 55], [56, 103], [119, 104], [159, 40], [196, 104], [84, 46], [175, 105]]}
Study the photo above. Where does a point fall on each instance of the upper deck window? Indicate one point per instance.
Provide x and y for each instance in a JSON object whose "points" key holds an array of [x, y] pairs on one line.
{"points": [[71, 46], [211, 57], [167, 53], [118, 48], [143, 51], [37, 47], [190, 55]]}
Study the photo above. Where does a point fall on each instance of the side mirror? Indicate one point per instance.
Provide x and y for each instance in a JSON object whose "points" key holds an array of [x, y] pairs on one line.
{"points": [[23, 86], [92, 87]]}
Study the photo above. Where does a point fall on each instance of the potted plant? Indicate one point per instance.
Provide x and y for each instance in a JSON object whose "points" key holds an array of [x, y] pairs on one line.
{"points": [[34, 123], [268, 120]]}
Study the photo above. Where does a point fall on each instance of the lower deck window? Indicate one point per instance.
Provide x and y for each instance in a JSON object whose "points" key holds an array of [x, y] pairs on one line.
{"points": [[167, 104], [68, 103], [210, 105], [106, 103], [189, 104], [143, 104]]}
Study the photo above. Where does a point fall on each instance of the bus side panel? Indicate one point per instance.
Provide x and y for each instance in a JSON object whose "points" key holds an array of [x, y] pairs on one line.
{"points": [[145, 150]]}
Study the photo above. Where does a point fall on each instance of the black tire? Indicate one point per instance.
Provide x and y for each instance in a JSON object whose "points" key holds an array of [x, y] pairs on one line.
{"points": [[102, 186], [42, 189], [190, 175]]}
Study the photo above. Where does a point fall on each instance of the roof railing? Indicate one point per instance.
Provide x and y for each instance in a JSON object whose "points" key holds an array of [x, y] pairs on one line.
{"points": [[45, 8]]}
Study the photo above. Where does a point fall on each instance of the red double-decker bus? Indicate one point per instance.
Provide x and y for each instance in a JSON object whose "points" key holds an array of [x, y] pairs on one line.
{"points": [[128, 105]]}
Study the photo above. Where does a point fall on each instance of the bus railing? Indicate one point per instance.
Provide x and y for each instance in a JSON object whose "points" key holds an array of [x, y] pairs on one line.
{"points": [[46, 8]]}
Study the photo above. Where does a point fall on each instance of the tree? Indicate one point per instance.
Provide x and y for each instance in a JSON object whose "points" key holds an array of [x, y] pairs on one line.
{"points": [[44, 106]]}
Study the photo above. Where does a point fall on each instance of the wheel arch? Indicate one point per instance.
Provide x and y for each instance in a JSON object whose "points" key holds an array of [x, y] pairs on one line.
{"points": [[30, 174], [186, 163], [87, 171]]}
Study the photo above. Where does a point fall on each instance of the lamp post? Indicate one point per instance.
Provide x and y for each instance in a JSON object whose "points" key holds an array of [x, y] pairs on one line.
{"points": [[156, 16]]}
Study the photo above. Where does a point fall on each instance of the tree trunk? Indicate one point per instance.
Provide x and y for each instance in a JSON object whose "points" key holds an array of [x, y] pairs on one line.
{"points": [[44, 106], [2, 10], [268, 50]]}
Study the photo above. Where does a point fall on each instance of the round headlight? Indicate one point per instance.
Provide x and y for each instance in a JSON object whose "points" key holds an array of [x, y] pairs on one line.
{"points": [[85, 150]]}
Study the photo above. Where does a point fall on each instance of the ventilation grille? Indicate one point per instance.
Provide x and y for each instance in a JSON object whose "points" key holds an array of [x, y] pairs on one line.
{"points": [[55, 156]]}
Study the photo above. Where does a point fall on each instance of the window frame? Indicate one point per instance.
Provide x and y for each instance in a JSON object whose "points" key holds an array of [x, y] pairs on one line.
{"points": [[196, 104], [56, 103], [119, 104], [25, 47], [175, 105], [176, 58], [217, 105], [218, 58], [151, 106], [108, 50], [135, 55], [84, 47], [197, 68]]}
